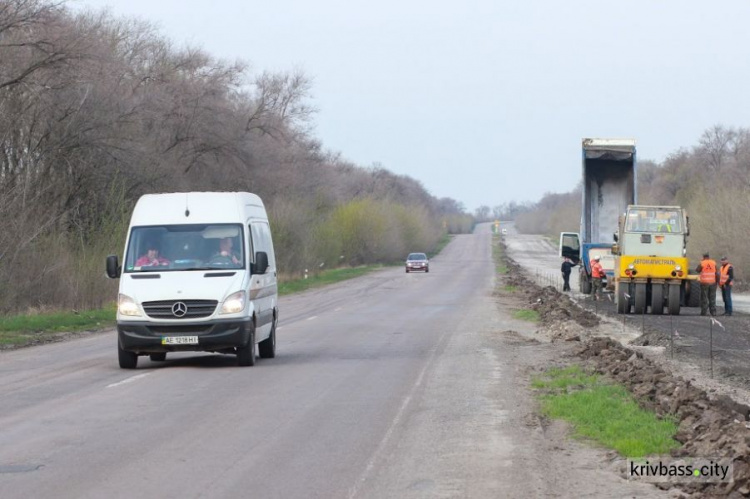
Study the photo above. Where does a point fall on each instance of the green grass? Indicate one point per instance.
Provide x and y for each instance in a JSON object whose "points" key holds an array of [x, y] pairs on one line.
{"points": [[604, 412], [497, 255], [442, 243], [511, 288], [323, 278], [19, 330], [527, 315]]}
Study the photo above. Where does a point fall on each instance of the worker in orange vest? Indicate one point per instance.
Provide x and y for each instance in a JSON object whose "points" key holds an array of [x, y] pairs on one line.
{"points": [[597, 273], [709, 277], [726, 278]]}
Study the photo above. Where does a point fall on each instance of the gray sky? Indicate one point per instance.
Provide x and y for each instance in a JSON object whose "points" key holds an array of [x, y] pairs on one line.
{"points": [[486, 101]]}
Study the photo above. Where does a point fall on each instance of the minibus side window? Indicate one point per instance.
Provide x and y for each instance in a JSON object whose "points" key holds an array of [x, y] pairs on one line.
{"points": [[257, 239], [265, 232], [261, 235], [250, 244]]}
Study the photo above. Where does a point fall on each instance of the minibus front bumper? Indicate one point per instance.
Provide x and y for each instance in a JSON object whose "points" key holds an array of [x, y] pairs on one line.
{"points": [[210, 336]]}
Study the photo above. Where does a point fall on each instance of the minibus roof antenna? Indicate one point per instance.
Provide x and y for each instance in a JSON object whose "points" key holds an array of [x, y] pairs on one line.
{"points": [[187, 209]]}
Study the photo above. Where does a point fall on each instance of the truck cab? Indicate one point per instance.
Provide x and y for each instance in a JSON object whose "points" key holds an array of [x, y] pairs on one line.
{"points": [[583, 254]]}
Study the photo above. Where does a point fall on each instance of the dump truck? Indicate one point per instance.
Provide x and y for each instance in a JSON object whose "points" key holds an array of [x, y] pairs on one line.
{"points": [[652, 271], [609, 187]]}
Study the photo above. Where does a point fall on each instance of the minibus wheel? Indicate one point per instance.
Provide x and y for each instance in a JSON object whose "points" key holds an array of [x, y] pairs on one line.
{"points": [[128, 360], [267, 347], [246, 354]]}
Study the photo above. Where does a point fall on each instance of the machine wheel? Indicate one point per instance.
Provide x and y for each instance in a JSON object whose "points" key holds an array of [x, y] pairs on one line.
{"points": [[128, 360], [694, 294], [267, 347], [640, 298], [246, 354], [623, 301], [673, 299], [657, 299], [584, 284], [158, 357]]}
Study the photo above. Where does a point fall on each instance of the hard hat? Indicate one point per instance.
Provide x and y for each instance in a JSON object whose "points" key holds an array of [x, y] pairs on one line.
{"points": [[596, 258]]}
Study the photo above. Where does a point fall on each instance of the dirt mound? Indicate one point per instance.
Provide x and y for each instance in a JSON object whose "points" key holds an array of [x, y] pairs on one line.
{"points": [[715, 428], [554, 307], [561, 317]]}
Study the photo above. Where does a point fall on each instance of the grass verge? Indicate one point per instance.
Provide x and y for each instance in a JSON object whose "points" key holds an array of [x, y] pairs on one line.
{"points": [[442, 243], [20, 330], [323, 278], [604, 412], [526, 314], [497, 255], [29, 329]]}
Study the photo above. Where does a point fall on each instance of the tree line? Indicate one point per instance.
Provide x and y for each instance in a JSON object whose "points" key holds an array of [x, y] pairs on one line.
{"points": [[711, 179], [97, 110]]}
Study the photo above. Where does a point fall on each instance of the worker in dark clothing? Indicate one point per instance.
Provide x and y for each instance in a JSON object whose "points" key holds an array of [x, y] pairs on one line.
{"points": [[709, 277], [566, 267], [726, 273]]}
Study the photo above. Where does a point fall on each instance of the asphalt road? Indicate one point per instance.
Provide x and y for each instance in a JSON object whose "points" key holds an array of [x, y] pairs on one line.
{"points": [[383, 387]]}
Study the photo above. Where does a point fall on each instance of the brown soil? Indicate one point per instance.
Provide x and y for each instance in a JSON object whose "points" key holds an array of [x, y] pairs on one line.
{"points": [[708, 426]]}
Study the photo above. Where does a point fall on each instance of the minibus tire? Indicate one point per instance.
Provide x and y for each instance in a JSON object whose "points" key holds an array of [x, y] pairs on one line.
{"points": [[267, 347], [246, 354], [128, 360]]}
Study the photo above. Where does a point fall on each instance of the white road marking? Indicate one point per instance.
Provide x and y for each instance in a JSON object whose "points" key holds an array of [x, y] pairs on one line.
{"points": [[337, 309], [396, 420], [311, 318], [128, 380]]}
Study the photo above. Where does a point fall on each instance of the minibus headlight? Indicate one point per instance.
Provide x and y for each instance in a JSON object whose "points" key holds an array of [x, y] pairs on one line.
{"points": [[127, 306], [234, 303]]}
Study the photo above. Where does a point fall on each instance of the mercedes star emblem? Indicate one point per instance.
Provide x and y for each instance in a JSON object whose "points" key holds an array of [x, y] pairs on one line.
{"points": [[179, 309]]}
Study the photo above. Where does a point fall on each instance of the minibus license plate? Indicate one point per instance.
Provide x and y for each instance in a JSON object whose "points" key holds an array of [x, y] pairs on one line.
{"points": [[179, 340]]}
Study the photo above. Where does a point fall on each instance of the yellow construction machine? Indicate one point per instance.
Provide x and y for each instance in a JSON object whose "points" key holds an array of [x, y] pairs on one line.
{"points": [[651, 266]]}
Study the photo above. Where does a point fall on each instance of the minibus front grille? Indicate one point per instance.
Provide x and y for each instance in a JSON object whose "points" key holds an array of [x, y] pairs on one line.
{"points": [[180, 330], [179, 309]]}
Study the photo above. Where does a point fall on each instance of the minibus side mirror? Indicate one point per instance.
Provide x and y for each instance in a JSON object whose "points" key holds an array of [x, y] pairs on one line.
{"points": [[113, 267], [261, 263]]}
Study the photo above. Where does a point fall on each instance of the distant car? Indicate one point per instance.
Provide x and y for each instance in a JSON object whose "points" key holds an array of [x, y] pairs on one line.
{"points": [[417, 261]]}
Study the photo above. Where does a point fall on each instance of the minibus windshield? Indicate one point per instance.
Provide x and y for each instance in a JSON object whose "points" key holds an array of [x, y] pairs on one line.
{"points": [[159, 248]]}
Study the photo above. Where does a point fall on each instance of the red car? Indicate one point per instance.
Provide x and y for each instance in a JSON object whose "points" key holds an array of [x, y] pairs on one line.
{"points": [[417, 261]]}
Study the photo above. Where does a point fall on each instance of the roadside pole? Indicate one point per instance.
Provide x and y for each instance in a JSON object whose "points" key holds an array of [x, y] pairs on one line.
{"points": [[711, 345], [711, 341], [671, 336]]}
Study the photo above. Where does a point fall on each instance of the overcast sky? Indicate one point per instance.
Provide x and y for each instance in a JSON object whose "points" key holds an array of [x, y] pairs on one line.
{"points": [[486, 101]]}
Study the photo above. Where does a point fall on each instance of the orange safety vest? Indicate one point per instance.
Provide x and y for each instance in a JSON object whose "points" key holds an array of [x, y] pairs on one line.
{"points": [[597, 272], [725, 274], [708, 271]]}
